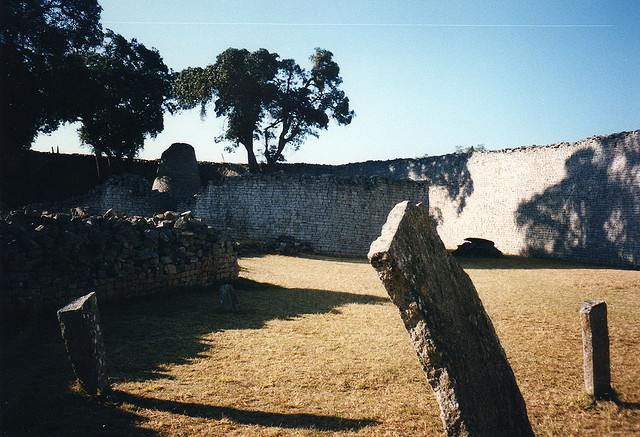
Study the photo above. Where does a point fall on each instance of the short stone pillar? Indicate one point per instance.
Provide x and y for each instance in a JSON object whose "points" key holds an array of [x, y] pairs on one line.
{"points": [[595, 345], [451, 333], [80, 326], [228, 299]]}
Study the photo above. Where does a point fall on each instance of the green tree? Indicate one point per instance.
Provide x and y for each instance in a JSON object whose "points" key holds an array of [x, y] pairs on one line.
{"points": [[59, 66], [242, 84], [125, 93], [470, 149], [41, 46], [266, 100]]}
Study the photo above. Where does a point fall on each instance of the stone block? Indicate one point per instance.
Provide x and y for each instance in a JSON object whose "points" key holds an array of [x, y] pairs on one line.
{"points": [[82, 335], [228, 299], [451, 333], [595, 343]]}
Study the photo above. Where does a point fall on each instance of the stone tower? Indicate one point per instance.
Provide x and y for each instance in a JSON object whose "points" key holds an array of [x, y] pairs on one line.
{"points": [[178, 173]]}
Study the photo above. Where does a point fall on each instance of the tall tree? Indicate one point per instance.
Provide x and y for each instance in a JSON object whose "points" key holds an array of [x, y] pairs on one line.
{"points": [[41, 42], [274, 102], [125, 95], [242, 84], [304, 104]]}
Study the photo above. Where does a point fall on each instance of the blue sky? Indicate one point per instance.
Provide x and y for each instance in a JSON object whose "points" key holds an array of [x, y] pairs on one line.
{"points": [[422, 76]]}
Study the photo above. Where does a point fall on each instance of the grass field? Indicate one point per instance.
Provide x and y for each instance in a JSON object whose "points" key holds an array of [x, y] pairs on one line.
{"points": [[318, 349]]}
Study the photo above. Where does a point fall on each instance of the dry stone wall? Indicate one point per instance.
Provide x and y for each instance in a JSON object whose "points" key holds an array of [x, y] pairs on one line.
{"points": [[576, 201], [49, 259], [126, 193], [336, 216]]}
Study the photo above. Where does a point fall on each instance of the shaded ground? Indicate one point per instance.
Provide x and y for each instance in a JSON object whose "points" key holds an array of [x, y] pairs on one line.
{"points": [[318, 349]]}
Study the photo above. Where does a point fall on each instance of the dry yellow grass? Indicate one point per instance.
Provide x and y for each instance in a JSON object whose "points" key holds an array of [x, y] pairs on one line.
{"points": [[354, 361], [318, 349]]}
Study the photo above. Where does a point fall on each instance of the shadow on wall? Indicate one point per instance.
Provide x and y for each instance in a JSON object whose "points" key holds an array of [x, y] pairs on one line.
{"points": [[448, 171], [593, 215]]}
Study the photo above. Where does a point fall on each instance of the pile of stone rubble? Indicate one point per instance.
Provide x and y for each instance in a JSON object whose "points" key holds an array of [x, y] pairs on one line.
{"points": [[49, 258]]}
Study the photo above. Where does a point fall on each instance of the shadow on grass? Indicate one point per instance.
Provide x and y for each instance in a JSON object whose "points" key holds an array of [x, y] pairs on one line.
{"points": [[36, 393], [310, 255], [141, 335], [615, 400], [247, 417], [627, 405], [320, 257], [169, 329]]}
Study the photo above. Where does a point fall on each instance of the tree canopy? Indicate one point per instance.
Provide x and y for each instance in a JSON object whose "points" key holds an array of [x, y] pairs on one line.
{"points": [[125, 95], [273, 102], [59, 66], [40, 46]]}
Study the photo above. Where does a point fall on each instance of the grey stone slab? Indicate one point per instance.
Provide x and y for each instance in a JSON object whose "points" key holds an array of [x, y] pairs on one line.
{"points": [[595, 343], [82, 335], [451, 333]]}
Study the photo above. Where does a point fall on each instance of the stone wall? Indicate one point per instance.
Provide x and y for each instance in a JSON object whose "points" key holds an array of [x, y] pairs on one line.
{"points": [[49, 259], [37, 177], [337, 216], [126, 193], [578, 201], [575, 201]]}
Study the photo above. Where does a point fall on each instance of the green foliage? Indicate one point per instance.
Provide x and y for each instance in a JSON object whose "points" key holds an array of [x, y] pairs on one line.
{"points": [[125, 94], [40, 46], [58, 66], [470, 149], [265, 99]]}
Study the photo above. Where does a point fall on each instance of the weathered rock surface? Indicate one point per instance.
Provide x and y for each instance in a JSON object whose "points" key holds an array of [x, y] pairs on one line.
{"points": [[82, 335], [453, 336], [595, 343], [228, 299]]}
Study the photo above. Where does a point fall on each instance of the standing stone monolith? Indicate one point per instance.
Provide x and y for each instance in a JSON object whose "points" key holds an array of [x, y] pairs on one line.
{"points": [[80, 326], [451, 333], [228, 299], [595, 344]]}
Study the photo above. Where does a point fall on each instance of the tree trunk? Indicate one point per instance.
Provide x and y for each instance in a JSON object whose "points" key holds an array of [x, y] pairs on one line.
{"points": [[253, 162], [282, 141], [97, 166], [271, 160]]}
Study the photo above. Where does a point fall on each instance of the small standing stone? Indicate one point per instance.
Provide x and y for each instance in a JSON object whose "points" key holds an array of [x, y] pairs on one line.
{"points": [[451, 333], [595, 344], [228, 299], [80, 327]]}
